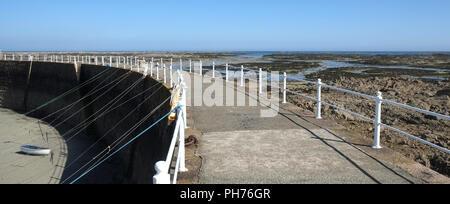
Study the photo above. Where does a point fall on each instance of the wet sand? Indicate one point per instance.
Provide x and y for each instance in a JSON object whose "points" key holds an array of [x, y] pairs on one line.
{"points": [[18, 168]]}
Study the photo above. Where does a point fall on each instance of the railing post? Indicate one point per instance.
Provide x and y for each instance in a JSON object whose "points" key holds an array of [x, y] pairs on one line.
{"points": [[190, 65], [164, 74], [260, 81], [110, 61], [201, 68], [181, 64], [214, 70], [157, 71], [151, 68], [138, 66], [242, 75], [162, 175], [226, 72], [171, 77], [284, 87], [319, 99], [103, 60], [377, 122]]}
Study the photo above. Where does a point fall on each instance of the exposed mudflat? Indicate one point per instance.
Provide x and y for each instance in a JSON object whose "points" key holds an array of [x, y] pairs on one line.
{"points": [[429, 95], [437, 60], [284, 66]]}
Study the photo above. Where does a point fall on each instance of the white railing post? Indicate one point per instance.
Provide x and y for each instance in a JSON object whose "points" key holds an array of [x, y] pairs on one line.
{"points": [[162, 175], [214, 70], [226, 72], [151, 68], [13, 57], [181, 64], [164, 73], [190, 65], [21, 58], [201, 68], [242, 75], [157, 71], [103, 60], [138, 66], [284, 87], [319, 99], [260, 81], [377, 122], [146, 69], [110, 61], [171, 77]]}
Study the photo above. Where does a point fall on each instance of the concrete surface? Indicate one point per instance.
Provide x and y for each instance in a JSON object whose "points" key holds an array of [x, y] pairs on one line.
{"points": [[238, 146]]}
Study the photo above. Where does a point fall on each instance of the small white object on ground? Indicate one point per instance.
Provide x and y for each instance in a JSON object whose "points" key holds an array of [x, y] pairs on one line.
{"points": [[33, 150]]}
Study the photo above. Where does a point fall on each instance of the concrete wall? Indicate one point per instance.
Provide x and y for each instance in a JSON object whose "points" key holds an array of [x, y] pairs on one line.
{"points": [[25, 86]]}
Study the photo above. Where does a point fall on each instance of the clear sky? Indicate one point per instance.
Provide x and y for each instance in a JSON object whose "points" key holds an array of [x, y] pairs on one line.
{"points": [[212, 25]]}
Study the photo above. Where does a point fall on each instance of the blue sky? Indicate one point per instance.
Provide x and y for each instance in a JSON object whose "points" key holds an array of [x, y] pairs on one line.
{"points": [[241, 25]]}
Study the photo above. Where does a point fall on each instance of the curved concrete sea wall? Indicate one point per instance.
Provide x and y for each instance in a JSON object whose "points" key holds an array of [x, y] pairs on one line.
{"points": [[25, 86]]}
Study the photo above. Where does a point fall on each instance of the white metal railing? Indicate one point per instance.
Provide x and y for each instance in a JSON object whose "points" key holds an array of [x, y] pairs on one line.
{"points": [[378, 99], [162, 168]]}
